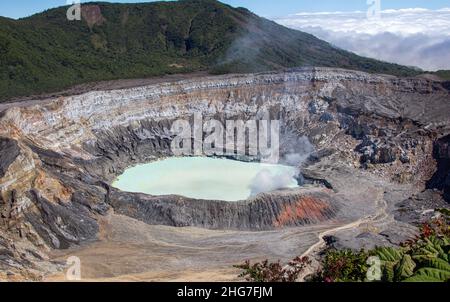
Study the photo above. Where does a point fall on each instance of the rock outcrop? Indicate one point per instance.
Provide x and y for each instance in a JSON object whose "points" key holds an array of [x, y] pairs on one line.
{"points": [[10, 151], [441, 179], [264, 212]]}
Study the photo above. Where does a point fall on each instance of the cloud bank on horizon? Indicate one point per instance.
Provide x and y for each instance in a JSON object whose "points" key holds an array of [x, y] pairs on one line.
{"points": [[413, 37]]}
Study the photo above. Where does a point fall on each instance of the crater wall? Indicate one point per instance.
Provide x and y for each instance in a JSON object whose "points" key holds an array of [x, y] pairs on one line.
{"points": [[59, 155]]}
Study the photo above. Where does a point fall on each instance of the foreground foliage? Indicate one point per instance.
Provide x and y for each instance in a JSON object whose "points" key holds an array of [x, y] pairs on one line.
{"points": [[425, 258], [343, 266], [274, 272]]}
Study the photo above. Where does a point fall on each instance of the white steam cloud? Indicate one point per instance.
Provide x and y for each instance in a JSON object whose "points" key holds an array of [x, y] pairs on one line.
{"points": [[413, 37], [296, 153], [267, 181]]}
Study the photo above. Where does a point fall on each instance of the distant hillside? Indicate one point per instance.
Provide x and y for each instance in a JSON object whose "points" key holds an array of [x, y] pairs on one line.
{"points": [[443, 74], [46, 52]]}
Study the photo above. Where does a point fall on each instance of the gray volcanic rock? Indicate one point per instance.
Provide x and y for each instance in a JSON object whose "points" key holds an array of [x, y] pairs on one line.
{"points": [[441, 179], [263, 212], [61, 225], [9, 152], [420, 208]]}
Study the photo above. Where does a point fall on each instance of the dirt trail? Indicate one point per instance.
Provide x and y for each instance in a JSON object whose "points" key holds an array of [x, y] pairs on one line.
{"points": [[313, 252]]}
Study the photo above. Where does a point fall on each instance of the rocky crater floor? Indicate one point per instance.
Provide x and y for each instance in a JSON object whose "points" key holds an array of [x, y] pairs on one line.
{"points": [[380, 166]]}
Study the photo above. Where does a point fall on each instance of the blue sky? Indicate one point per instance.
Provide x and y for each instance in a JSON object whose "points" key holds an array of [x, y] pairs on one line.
{"points": [[267, 8]]}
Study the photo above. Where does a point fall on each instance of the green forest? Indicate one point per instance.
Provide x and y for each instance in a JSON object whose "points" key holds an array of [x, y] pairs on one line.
{"points": [[46, 52]]}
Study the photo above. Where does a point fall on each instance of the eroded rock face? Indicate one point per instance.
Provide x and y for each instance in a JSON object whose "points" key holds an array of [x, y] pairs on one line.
{"points": [[263, 212], [59, 156], [441, 179], [10, 151]]}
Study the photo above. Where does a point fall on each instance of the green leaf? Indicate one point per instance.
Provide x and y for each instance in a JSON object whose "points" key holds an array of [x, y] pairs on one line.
{"points": [[433, 247], [405, 268], [388, 271], [421, 278], [430, 275], [438, 264], [389, 254]]}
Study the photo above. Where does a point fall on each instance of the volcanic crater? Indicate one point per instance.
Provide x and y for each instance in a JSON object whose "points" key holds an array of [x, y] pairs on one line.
{"points": [[380, 142]]}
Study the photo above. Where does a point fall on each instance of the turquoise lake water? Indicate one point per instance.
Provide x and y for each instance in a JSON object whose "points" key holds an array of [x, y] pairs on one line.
{"points": [[206, 178]]}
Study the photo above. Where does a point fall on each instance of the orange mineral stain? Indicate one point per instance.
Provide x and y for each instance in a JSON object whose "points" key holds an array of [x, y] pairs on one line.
{"points": [[305, 208]]}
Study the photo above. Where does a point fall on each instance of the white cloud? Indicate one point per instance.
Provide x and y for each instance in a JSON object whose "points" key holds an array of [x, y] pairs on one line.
{"points": [[414, 36]]}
